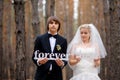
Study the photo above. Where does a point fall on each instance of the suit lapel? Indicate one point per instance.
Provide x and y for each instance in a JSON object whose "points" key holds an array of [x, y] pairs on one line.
{"points": [[47, 43], [57, 43]]}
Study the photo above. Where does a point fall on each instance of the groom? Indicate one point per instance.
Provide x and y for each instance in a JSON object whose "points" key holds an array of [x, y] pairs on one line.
{"points": [[50, 42]]}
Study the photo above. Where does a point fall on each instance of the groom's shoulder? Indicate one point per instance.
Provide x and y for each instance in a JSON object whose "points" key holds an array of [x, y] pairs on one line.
{"points": [[41, 36]]}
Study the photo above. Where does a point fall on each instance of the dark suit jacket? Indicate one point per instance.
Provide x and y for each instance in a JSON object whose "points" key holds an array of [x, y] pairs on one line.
{"points": [[43, 45]]}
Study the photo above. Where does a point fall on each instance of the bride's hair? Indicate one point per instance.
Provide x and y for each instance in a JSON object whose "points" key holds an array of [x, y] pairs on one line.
{"points": [[85, 26]]}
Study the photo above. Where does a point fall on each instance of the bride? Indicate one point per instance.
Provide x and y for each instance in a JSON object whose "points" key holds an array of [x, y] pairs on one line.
{"points": [[86, 49]]}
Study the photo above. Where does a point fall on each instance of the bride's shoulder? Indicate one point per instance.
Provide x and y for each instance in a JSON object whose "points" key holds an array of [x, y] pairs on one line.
{"points": [[95, 45], [76, 45]]}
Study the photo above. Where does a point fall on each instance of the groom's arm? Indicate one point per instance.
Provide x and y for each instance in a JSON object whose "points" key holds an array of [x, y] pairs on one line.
{"points": [[62, 63], [36, 47], [64, 51]]}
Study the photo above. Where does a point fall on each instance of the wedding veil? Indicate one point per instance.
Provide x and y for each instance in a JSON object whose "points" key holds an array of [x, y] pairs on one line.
{"points": [[94, 39]]}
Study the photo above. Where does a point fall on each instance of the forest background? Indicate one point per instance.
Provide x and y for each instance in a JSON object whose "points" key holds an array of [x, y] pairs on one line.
{"points": [[22, 20]]}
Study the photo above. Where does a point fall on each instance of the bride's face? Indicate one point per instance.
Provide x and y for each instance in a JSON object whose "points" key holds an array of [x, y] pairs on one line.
{"points": [[85, 34]]}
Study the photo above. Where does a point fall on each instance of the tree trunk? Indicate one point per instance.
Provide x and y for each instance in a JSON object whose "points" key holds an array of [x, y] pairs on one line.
{"points": [[49, 8], [1, 26], [69, 29], [35, 17], [114, 54], [108, 43], [20, 39]]}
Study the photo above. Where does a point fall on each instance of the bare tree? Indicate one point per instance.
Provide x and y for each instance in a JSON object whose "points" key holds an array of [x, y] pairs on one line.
{"points": [[35, 16], [107, 30], [69, 28], [1, 26], [50, 8], [113, 70], [20, 39]]}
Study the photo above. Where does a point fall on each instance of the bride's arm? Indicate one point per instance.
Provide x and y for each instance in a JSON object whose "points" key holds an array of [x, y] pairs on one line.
{"points": [[97, 59], [97, 62], [73, 59]]}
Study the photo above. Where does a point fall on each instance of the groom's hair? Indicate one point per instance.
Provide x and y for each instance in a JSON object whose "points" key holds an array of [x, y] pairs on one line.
{"points": [[53, 18]]}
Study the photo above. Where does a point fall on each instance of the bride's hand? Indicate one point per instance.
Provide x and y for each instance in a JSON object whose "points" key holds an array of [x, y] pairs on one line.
{"points": [[97, 62], [73, 59]]}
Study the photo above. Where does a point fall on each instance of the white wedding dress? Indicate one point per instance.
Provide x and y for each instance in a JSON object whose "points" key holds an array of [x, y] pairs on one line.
{"points": [[85, 69]]}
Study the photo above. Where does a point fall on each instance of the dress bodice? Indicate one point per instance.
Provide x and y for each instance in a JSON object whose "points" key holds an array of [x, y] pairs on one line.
{"points": [[86, 64], [87, 53]]}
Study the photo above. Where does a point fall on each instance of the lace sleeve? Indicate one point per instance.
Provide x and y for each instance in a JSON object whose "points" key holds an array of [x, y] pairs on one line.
{"points": [[97, 53], [72, 52]]}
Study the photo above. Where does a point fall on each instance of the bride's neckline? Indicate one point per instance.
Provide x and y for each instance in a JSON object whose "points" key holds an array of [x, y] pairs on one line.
{"points": [[85, 45]]}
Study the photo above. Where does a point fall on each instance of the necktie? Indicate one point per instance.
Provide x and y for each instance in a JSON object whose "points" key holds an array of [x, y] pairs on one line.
{"points": [[50, 35]]}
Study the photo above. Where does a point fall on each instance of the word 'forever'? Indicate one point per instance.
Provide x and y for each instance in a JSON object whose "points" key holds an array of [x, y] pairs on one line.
{"points": [[50, 56]]}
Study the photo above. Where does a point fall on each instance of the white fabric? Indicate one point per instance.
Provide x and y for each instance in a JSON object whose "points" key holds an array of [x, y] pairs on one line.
{"points": [[50, 69], [85, 69], [85, 76], [52, 43]]}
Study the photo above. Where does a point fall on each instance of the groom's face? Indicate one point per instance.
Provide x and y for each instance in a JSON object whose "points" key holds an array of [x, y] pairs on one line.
{"points": [[53, 26]]}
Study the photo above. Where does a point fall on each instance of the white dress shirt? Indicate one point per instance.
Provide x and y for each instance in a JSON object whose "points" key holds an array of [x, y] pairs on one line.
{"points": [[52, 45]]}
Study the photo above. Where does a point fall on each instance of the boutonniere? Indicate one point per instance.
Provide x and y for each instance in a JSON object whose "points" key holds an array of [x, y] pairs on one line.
{"points": [[58, 47]]}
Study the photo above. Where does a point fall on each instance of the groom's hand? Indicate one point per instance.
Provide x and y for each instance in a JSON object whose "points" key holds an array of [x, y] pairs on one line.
{"points": [[59, 62], [42, 60]]}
